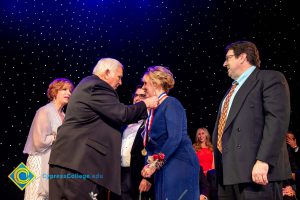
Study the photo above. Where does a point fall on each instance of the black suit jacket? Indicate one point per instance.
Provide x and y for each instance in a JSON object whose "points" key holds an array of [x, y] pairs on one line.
{"points": [[294, 159], [137, 162], [89, 140], [296, 156], [255, 130]]}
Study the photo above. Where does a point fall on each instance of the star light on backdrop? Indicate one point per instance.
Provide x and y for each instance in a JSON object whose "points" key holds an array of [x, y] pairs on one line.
{"points": [[41, 40]]}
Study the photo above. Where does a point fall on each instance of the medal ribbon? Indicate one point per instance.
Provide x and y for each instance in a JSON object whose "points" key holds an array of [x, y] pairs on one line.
{"points": [[150, 121]]}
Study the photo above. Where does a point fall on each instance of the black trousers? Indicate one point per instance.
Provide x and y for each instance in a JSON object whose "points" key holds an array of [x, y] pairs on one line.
{"points": [[126, 186], [73, 188], [128, 192], [250, 191]]}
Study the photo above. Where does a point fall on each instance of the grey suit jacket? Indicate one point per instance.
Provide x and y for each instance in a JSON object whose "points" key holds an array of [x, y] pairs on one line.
{"points": [[255, 130]]}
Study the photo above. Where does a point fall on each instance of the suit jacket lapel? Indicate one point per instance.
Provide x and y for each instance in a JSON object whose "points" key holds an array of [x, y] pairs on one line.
{"points": [[138, 141], [241, 96]]}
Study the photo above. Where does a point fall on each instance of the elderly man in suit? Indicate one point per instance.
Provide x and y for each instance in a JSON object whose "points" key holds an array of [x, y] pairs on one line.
{"points": [[85, 158], [251, 157]]}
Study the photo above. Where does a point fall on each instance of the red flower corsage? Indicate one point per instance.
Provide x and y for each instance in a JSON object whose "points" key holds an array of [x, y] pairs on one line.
{"points": [[156, 160]]}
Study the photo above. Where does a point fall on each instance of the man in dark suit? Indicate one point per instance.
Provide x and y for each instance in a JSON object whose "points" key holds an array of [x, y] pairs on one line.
{"points": [[293, 149], [294, 157], [251, 157], [132, 160], [86, 155]]}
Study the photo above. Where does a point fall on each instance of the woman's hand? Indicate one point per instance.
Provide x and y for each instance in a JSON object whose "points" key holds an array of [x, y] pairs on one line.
{"points": [[148, 171], [151, 102]]}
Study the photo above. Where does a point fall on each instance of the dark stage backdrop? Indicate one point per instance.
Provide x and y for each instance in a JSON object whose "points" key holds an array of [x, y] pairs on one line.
{"points": [[44, 39]]}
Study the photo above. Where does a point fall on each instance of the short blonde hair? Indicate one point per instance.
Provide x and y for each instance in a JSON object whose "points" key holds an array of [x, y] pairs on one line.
{"points": [[58, 84], [161, 76]]}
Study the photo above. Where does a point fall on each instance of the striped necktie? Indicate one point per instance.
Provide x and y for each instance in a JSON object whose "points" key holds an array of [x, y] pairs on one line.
{"points": [[223, 117]]}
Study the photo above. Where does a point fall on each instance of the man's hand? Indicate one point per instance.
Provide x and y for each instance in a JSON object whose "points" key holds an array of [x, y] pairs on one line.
{"points": [[260, 172], [148, 171], [151, 102], [292, 142], [144, 185]]}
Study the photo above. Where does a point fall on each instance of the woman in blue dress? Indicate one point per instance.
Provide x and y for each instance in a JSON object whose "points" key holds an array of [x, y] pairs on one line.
{"points": [[178, 177]]}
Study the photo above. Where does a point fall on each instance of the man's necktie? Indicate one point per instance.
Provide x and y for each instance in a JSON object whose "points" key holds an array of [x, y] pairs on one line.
{"points": [[223, 117]]}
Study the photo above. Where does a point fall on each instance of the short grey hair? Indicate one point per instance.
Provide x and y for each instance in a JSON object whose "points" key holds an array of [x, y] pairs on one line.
{"points": [[106, 64]]}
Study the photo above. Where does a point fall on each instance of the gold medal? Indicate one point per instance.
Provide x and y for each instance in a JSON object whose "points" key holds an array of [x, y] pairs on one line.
{"points": [[144, 152]]}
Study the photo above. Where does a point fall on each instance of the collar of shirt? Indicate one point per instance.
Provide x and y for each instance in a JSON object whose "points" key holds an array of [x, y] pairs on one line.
{"points": [[244, 77], [128, 138], [241, 80], [135, 124]]}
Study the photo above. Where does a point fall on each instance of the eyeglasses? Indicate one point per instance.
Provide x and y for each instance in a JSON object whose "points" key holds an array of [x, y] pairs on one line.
{"points": [[140, 95], [228, 57]]}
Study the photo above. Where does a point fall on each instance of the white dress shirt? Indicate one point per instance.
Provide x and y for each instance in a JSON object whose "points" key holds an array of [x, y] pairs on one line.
{"points": [[128, 137]]}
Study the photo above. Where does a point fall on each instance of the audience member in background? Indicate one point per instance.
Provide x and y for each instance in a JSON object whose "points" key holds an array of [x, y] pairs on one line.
{"points": [[204, 149], [294, 157], [293, 150], [42, 134]]}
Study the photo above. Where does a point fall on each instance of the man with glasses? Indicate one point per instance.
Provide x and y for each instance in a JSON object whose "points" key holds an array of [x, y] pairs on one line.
{"points": [[251, 157], [132, 160]]}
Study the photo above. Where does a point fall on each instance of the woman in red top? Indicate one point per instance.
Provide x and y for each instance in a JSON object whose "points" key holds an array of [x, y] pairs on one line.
{"points": [[204, 149]]}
